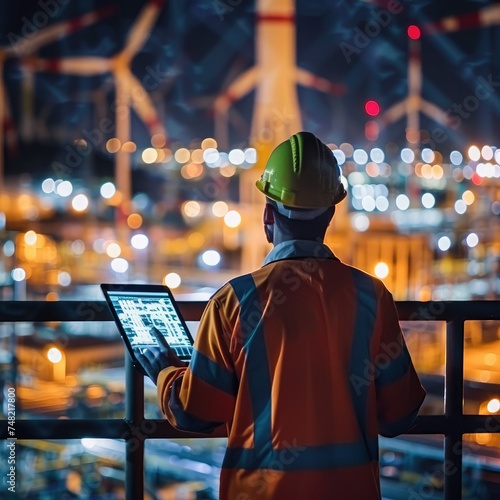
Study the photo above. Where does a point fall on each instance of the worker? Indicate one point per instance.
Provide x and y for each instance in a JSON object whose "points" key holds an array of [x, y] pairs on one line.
{"points": [[303, 359]]}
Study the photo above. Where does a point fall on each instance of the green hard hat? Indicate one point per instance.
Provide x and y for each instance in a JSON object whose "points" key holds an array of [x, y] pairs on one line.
{"points": [[302, 172]]}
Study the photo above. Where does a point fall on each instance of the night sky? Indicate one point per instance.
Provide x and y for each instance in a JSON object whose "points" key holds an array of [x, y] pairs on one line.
{"points": [[198, 47]]}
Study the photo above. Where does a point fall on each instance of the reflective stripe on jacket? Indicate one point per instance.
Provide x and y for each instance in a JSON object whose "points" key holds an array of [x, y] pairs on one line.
{"points": [[305, 362]]}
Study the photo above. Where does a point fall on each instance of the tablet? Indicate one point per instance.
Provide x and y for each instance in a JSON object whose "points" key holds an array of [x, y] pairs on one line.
{"points": [[137, 308]]}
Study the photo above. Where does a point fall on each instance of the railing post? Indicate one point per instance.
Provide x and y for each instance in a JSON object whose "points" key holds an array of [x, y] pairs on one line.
{"points": [[134, 414], [453, 408]]}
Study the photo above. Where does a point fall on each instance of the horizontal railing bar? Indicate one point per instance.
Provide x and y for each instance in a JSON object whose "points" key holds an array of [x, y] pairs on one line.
{"points": [[158, 428], [12, 311], [113, 428]]}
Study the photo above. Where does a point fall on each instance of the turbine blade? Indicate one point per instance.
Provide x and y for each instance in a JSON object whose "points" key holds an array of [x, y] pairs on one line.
{"points": [[308, 79], [25, 46], [142, 27], [71, 65], [143, 106]]}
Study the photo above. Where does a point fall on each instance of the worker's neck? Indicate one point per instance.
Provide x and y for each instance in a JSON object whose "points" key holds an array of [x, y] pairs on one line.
{"points": [[278, 239]]}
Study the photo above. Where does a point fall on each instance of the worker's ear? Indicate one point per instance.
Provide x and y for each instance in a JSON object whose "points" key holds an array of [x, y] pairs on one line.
{"points": [[268, 214], [269, 222]]}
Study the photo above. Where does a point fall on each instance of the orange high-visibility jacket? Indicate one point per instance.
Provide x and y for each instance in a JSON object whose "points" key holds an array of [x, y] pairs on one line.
{"points": [[305, 362]]}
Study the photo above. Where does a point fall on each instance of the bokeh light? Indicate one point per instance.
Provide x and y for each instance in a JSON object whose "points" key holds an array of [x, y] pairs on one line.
{"points": [[54, 355], [139, 241], [444, 243], [211, 258], [381, 270], [172, 280], [232, 218], [413, 32], [108, 190], [134, 221], [191, 208], [113, 249], [80, 202], [220, 208], [119, 265], [472, 240]]}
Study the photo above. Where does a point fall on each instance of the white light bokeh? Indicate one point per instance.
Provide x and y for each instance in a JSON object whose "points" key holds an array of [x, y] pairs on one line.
{"points": [[9, 248], [251, 155], [360, 222], [172, 280], [368, 203], [80, 202], [236, 156], [139, 241], [472, 240], [211, 155], [427, 155], [232, 218], [18, 274], [360, 156], [407, 155], [113, 249], [493, 406], [54, 355], [149, 155], [444, 243], [381, 270], [211, 258], [377, 155], [30, 237], [487, 153], [191, 208], [108, 190], [474, 153], [460, 207], [339, 155], [48, 185], [402, 202], [78, 247], [64, 278], [428, 200], [220, 208], [64, 189], [381, 203], [456, 157], [119, 265]]}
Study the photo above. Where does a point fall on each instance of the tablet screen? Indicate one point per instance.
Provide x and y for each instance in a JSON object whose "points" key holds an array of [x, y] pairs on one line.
{"points": [[137, 311]]}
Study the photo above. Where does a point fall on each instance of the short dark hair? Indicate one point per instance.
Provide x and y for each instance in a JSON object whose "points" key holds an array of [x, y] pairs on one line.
{"points": [[296, 229]]}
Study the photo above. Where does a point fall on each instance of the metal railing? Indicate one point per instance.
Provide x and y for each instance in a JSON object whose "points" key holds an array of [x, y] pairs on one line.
{"points": [[453, 424]]}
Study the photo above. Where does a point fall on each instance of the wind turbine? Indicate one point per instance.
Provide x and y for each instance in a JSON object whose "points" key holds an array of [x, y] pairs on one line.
{"points": [[275, 76], [129, 90], [414, 104], [23, 47]]}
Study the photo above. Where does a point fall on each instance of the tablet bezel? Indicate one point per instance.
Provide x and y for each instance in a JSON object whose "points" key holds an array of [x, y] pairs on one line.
{"points": [[144, 288]]}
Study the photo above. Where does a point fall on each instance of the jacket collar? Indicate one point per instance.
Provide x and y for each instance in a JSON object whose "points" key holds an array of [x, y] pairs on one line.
{"points": [[299, 249]]}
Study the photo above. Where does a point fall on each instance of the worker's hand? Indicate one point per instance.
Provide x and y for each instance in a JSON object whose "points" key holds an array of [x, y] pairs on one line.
{"points": [[156, 359]]}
